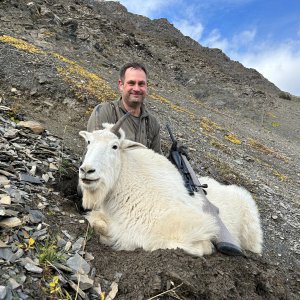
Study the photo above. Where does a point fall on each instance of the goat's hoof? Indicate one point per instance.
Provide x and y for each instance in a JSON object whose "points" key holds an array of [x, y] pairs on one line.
{"points": [[229, 249]]}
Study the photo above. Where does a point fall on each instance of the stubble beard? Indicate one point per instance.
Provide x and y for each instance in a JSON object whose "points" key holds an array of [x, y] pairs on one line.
{"points": [[134, 102]]}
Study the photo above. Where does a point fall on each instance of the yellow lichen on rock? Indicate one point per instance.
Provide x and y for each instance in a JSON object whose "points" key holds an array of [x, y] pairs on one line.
{"points": [[280, 176], [262, 148], [83, 82], [175, 107], [209, 125], [233, 139], [20, 44]]}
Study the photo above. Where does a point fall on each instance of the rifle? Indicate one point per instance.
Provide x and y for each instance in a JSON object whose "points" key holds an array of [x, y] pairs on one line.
{"points": [[179, 158]]}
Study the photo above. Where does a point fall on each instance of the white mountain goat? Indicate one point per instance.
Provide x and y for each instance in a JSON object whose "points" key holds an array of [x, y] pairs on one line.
{"points": [[138, 199]]}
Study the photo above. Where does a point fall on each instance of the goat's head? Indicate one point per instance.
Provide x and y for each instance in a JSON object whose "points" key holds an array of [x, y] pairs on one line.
{"points": [[102, 162]]}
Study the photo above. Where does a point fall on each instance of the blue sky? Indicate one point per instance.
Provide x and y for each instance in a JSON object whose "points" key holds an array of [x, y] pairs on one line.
{"points": [[261, 34]]}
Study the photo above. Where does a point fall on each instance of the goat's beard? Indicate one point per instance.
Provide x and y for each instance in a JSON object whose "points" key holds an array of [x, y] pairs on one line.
{"points": [[94, 194]]}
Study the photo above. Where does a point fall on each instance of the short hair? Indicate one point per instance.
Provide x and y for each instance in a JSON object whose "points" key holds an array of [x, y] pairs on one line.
{"points": [[134, 65]]}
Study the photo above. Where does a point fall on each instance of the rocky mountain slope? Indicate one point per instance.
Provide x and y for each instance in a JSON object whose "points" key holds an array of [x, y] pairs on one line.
{"points": [[59, 58]]}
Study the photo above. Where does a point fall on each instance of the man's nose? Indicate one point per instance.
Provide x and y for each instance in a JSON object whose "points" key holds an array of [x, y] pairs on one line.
{"points": [[136, 87]]}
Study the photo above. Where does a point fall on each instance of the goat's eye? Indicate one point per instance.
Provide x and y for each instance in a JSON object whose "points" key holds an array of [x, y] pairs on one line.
{"points": [[115, 147], [88, 142]]}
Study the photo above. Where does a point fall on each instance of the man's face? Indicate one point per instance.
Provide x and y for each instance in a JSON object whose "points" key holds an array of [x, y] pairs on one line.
{"points": [[134, 87]]}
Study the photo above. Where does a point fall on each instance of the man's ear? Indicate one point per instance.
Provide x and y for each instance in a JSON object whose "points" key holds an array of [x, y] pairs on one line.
{"points": [[131, 145], [120, 85]]}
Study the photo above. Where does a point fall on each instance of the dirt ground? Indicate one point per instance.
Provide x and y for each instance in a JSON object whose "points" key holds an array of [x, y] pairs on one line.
{"points": [[142, 275]]}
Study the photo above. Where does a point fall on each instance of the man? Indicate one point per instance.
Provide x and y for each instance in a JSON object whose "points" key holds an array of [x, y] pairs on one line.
{"points": [[143, 127]]}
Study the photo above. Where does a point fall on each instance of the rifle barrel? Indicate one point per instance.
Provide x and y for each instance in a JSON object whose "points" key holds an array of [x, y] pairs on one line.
{"points": [[170, 133]]}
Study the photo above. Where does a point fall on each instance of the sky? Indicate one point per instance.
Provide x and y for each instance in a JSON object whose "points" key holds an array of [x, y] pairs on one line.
{"points": [[260, 34]]}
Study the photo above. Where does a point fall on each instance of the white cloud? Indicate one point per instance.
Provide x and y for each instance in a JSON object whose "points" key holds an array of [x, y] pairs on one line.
{"points": [[193, 30], [215, 40], [146, 7], [280, 65], [244, 38]]}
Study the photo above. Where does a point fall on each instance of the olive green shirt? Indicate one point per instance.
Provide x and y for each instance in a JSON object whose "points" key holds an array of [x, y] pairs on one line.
{"points": [[144, 130]]}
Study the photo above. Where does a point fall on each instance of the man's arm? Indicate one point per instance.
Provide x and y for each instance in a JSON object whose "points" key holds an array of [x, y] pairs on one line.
{"points": [[155, 145]]}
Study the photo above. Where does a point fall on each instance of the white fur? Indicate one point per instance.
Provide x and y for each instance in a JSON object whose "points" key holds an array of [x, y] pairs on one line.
{"points": [[238, 211], [138, 199]]}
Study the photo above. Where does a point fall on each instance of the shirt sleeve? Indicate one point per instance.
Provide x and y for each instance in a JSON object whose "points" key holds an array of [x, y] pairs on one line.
{"points": [[155, 143]]}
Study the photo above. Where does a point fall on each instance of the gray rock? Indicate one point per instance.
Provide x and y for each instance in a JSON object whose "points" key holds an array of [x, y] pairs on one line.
{"points": [[36, 216], [84, 281], [2, 292], [65, 232], [68, 246], [6, 253], [26, 260], [78, 244], [29, 178], [4, 180], [5, 293], [61, 243], [78, 264], [13, 283], [17, 255], [11, 133], [10, 222], [33, 268], [23, 296], [5, 199], [2, 211], [8, 212], [16, 195], [40, 233]]}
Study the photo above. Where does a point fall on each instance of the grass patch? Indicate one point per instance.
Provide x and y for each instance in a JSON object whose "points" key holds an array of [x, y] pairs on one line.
{"points": [[48, 253]]}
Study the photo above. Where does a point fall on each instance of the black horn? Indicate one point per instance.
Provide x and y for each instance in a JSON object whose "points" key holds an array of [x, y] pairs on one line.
{"points": [[117, 126]]}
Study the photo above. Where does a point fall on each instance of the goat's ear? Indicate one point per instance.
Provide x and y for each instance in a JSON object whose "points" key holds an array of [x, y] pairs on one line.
{"points": [[84, 134], [131, 145]]}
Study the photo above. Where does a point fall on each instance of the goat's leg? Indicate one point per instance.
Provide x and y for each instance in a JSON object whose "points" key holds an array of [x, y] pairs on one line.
{"points": [[98, 222]]}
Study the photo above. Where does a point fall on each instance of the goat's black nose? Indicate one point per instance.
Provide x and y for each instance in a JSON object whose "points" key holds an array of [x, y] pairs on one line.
{"points": [[87, 170]]}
